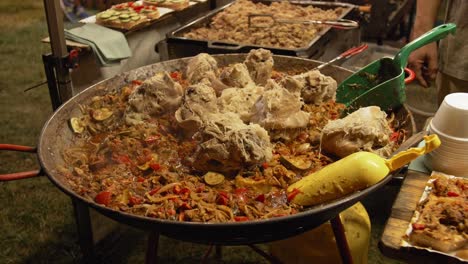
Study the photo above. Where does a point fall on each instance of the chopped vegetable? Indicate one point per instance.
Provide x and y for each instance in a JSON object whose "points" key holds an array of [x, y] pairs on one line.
{"points": [[241, 218], [76, 125], [299, 162], [213, 178], [103, 198], [293, 194], [418, 226], [452, 194], [101, 114]]}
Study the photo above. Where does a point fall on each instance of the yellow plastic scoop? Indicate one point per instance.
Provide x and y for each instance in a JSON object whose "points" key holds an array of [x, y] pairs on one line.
{"points": [[352, 173]]}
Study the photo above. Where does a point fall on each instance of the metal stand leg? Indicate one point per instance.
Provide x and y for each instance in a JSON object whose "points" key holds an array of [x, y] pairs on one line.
{"points": [[218, 253], [85, 232], [152, 248], [341, 242]]}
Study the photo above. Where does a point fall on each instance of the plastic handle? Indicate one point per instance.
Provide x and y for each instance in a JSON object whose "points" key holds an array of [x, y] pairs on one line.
{"points": [[354, 51], [411, 76], [434, 34], [405, 157], [18, 175], [345, 55]]}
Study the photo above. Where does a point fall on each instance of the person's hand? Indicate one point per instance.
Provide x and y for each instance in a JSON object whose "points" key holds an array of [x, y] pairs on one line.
{"points": [[423, 62]]}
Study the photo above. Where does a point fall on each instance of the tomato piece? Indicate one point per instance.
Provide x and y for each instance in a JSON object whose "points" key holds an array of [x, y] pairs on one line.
{"points": [[174, 75], [222, 198], [260, 198], [265, 165], [103, 198], [137, 82], [418, 226], [155, 166], [241, 218], [452, 194], [134, 200], [293, 194]]}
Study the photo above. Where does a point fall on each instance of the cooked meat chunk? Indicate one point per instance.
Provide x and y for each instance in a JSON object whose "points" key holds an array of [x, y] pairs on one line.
{"points": [[236, 75], [198, 102], [259, 62], [314, 86], [278, 110], [200, 67], [366, 129], [240, 101], [155, 96], [228, 145]]}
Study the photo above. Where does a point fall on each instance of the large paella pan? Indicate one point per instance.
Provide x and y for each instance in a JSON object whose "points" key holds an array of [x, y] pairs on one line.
{"points": [[70, 129]]}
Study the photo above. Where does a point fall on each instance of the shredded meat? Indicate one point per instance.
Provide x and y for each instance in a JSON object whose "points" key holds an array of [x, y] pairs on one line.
{"points": [[231, 25]]}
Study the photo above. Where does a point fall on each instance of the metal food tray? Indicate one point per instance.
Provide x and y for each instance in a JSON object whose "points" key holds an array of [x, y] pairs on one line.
{"points": [[327, 43]]}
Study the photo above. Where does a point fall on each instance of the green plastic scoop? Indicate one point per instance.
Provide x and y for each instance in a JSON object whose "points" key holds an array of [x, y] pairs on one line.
{"points": [[382, 82]]}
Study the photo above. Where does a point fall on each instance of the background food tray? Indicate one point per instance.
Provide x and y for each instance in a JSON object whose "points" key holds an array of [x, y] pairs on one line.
{"points": [[327, 44]]}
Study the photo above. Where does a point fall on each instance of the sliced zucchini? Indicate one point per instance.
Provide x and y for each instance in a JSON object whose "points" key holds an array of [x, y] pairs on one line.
{"points": [[102, 114], [76, 125], [298, 163], [213, 178], [105, 15]]}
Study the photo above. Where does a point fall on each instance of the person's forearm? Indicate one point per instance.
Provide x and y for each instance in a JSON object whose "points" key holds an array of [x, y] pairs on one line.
{"points": [[426, 15]]}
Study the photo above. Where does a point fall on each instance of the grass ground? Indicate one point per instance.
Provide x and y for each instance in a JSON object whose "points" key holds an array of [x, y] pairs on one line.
{"points": [[36, 219]]}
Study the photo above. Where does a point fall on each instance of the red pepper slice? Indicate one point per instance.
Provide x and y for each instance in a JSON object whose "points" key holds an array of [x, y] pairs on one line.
{"points": [[241, 218], [134, 200], [140, 179], [394, 136], [103, 198], [293, 194], [155, 190], [137, 82], [260, 198], [452, 194], [418, 226], [155, 166]]}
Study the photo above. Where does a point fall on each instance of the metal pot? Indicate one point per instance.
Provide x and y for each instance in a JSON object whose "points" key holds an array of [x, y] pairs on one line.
{"points": [[56, 135]]}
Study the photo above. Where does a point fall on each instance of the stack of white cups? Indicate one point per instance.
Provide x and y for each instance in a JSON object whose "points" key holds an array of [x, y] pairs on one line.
{"points": [[450, 123]]}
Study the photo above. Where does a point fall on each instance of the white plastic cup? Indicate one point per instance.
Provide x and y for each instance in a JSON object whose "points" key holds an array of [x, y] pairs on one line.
{"points": [[451, 118], [456, 168]]}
